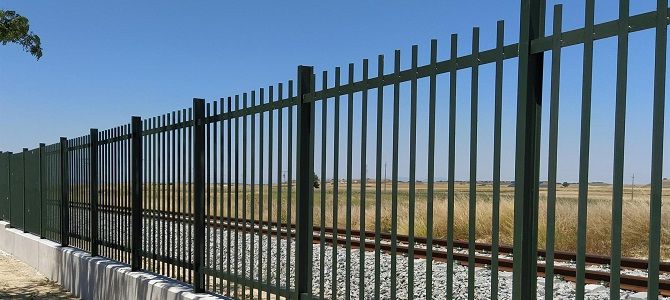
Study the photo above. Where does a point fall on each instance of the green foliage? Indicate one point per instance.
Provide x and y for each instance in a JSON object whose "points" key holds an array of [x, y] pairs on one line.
{"points": [[14, 28]]}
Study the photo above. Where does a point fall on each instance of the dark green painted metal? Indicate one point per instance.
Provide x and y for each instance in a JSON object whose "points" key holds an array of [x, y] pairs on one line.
{"points": [[17, 191], [472, 211], [361, 214], [154, 193], [220, 195], [378, 176], [191, 179], [252, 260], [290, 185], [173, 197], [304, 176], [93, 190], [394, 178], [32, 191], [64, 197], [271, 145], [216, 194], [585, 143], [350, 132], [655, 201], [280, 112], [199, 197], [412, 175], [237, 194], [451, 170], [244, 192], [432, 95], [553, 153], [229, 201], [497, 128], [529, 105], [5, 185], [208, 192], [336, 180], [163, 192], [261, 155], [42, 187], [322, 218], [136, 186], [619, 146]]}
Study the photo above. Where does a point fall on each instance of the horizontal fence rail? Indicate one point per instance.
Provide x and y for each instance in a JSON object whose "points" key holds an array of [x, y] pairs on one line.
{"points": [[327, 187]]}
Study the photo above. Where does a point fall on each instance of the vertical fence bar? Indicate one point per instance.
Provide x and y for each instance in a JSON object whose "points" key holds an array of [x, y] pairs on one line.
{"points": [[252, 171], [93, 189], [495, 219], [394, 174], [64, 197], [584, 149], [24, 223], [472, 211], [199, 195], [378, 175], [305, 169], [42, 193], [432, 95], [271, 145], [244, 196], [279, 184], [451, 167], [412, 174], [260, 187], [136, 171], [237, 195], [324, 162], [364, 136], [553, 145], [619, 146], [229, 193], [336, 183], [529, 106], [289, 205], [655, 200], [350, 131]]}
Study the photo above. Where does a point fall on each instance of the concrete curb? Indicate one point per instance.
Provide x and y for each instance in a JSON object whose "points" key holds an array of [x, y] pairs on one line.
{"points": [[90, 277]]}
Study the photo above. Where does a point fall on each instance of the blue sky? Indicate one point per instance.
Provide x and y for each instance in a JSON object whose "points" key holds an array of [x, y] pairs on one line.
{"points": [[105, 61]]}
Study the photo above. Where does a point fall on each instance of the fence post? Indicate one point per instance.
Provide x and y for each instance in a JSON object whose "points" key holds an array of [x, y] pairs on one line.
{"points": [[529, 105], [93, 186], [199, 194], [64, 198], [23, 161], [41, 155], [304, 184], [136, 185]]}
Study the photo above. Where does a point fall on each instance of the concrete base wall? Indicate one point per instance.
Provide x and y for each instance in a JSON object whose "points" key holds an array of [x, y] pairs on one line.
{"points": [[90, 277]]}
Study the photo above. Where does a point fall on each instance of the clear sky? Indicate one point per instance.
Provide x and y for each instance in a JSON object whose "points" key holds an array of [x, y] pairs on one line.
{"points": [[107, 60]]}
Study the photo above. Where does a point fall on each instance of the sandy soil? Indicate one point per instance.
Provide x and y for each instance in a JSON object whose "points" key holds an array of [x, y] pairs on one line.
{"points": [[20, 281]]}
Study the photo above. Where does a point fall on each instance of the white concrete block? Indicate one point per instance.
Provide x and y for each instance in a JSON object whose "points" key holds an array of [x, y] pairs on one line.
{"points": [[91, 277], [49, 259], [26, 247]]}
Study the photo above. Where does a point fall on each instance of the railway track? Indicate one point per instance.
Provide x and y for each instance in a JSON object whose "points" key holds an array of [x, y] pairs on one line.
{"points": [[439, 253]]}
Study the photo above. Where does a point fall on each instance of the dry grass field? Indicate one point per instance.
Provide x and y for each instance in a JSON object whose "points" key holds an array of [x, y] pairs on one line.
{"points": [[635, 212]]}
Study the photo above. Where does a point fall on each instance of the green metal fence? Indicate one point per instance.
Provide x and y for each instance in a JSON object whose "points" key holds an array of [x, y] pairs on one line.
{"points": [[223, 195]]}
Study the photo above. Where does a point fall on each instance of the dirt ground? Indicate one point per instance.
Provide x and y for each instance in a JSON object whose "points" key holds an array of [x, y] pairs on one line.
{"points": [[20, 281]]}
